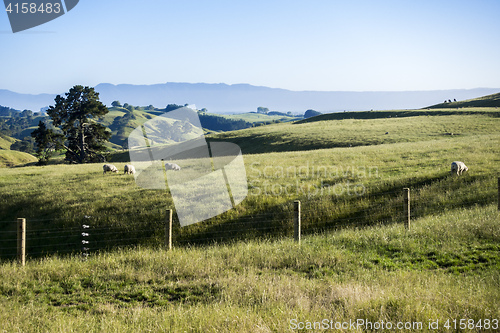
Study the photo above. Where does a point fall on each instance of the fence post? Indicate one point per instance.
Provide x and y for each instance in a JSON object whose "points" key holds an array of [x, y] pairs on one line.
{"points": [[498, 193], [407, 207], [296, 221], [168, 230], [21, 241]]}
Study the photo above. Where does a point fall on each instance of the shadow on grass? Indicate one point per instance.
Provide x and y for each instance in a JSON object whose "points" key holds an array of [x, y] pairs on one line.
{"points": [[396, 113], [383, 204]]}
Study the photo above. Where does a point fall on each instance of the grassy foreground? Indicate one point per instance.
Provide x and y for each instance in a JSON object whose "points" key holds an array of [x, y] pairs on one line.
{"points": [[446, 267]]}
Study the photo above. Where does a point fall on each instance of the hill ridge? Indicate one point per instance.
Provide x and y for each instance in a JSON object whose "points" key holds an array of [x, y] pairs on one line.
{"points": [[243, 97], [492, 100]]}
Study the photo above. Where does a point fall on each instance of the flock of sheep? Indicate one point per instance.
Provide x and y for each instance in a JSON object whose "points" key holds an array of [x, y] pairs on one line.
{"points": [[457, 167], [130, 170]]}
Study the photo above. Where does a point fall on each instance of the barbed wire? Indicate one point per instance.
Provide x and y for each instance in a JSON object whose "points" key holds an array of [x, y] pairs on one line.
{"points": [[318, 214]]}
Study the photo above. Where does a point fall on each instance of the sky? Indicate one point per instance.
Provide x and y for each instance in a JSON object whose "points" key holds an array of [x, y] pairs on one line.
{"points": [[325, 45]]}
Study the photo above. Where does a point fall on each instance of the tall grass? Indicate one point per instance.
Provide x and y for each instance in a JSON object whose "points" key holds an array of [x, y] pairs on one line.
{"points": [[446, 267]]}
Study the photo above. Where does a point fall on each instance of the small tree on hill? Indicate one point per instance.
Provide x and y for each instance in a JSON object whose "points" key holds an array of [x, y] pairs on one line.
{"points": [[262, 109], [75, 116]]}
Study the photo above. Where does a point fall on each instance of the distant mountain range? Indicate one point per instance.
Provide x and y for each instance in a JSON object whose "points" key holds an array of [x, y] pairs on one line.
{"points": [[224, 98]]}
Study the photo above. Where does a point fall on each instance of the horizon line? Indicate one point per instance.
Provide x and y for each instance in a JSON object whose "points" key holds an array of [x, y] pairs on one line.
{"points": [[257, 86]]}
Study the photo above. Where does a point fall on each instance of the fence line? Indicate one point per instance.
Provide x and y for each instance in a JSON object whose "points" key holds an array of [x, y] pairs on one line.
{"points": [[286, 219]]}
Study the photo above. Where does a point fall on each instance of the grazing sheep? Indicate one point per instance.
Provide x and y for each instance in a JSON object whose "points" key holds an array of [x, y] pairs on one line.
{"points": [[458, 168], [109, 167], [172, 166], [129, 169]]}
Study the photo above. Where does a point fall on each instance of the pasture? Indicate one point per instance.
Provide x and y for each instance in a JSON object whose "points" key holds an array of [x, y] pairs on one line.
{"points": [[241, 270], [352, 129], [446, 268], [253, 117]]}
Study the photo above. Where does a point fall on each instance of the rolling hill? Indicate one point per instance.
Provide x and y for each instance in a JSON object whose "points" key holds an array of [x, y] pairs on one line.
{"points": [[480, 102], [6, 142], [352, 129], [10, 158], [486, 105], [493, 112], [122, 122], [291, 137]]}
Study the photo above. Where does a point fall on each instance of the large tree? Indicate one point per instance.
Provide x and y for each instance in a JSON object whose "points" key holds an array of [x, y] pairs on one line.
{"points": [[76, 118]]}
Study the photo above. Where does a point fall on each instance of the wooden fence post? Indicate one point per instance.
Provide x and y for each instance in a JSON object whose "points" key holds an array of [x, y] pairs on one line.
{"points": [[168, 230], [21, 241], [406, 197], [296, 221]]}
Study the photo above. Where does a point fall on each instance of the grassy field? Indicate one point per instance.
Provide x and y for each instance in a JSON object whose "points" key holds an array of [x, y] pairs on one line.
{"points": [[446, 268], [240, 270], [359, 184], [353, 129], [253, 117]]}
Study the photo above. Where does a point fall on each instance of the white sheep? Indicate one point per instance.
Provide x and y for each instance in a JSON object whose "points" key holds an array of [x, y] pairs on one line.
{"points": [[129, 169], [458, 168], [109, 167], [172, 166]]}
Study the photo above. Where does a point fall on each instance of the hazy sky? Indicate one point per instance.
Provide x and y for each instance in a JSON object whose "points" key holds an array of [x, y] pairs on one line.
{"points": [[360, 45]]}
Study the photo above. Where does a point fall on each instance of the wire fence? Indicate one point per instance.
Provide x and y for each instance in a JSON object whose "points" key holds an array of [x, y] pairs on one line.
{"points": [[88, 234]]}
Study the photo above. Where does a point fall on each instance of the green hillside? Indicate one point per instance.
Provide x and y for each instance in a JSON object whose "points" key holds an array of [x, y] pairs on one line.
{"points": [[6, 142], [493, 112], [122, 122], [352, 129], [254, 117], [480, 102], [10, 158]]}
